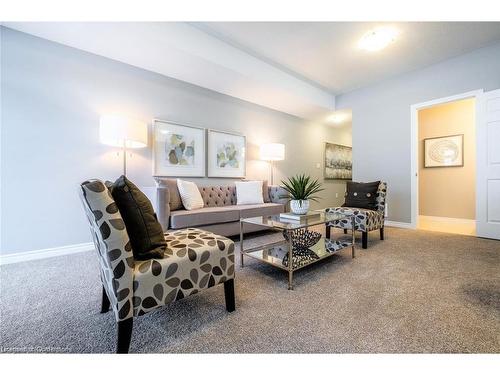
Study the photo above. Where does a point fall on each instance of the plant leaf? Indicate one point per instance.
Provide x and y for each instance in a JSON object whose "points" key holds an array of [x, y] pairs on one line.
{"points": [[302, 187]]}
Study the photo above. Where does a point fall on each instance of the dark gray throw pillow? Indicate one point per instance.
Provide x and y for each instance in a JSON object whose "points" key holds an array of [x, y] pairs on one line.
{"points": [[361, 195], [144, 230]]}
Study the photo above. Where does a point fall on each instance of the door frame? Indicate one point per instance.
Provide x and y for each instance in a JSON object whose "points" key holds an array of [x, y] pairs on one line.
{"points": [[476, 94]]}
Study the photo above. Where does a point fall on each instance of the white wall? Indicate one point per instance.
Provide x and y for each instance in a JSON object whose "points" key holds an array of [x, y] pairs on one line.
{"points": [[381, 118], [52, 97]]}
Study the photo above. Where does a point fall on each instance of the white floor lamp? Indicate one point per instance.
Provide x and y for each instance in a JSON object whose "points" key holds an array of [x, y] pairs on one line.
{"points": [[120, 131], [272, 152]]}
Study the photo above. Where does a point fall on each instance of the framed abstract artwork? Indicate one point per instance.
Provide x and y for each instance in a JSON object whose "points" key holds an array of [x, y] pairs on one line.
{"points": [[178, 150], [226, 154], [338, 162], [447, 151]]}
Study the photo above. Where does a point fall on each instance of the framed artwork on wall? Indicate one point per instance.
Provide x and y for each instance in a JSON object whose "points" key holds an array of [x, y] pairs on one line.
{"points": [[338, 162], [178, 150], [447, 151], [226, 154]]}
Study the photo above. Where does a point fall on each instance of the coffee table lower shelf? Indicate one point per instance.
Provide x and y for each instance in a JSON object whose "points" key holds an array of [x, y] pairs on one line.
{"points": [[277, 254]]}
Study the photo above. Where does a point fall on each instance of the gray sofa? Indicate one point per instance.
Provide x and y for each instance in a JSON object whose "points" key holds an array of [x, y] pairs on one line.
{"points": [[220, 215]]}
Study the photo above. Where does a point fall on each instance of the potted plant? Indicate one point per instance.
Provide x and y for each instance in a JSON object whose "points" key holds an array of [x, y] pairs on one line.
{"points": [[301, 190]]}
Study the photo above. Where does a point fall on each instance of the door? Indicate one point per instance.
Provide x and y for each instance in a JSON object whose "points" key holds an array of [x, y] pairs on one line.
{"points": [[488, 166]]}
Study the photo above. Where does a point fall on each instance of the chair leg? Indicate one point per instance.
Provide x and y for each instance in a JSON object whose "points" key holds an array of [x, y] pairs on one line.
{"points": [[382, 233], [229, 295], [364, 240], [124, 335], [328, 231], [104, 301], [345, 231]]}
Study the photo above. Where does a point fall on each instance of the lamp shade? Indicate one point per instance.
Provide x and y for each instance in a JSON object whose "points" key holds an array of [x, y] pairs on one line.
{"points": [[272, 151], [120, 131]]}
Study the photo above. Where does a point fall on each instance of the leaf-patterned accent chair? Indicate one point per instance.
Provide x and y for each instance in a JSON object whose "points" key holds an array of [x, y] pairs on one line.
{"points": [[366, 220], [194, 260]]}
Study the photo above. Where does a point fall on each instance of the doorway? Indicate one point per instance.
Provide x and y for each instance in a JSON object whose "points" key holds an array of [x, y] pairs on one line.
{"points": [[444, 164]]}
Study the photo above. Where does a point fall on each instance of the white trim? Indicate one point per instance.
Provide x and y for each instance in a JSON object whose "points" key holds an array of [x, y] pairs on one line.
{"points": [[451, 220], [45, 253], [414, 140], [398, 224]]}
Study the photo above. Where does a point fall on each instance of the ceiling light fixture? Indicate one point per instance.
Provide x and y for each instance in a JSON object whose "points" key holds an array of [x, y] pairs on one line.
{"points": [[339, 117], [378, 39]]}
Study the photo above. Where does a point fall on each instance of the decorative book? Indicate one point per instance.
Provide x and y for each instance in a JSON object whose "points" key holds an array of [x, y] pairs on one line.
{"points": [[299, 218]]}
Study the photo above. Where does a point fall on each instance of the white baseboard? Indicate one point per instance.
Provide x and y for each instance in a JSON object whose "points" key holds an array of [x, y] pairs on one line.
{"points": [[452, 220], [45, 253], [398, 224]]}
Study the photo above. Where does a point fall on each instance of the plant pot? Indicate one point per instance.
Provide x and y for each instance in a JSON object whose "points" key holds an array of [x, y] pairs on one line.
{"points": [[299, 207]]}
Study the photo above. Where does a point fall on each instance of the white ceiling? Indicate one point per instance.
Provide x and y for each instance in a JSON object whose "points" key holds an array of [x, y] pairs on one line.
{"points": [[292, 67], [326, 53], [184, 52]]}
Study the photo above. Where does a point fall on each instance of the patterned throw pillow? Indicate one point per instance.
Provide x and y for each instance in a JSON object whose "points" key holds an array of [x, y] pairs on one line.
{"points": [[361, 195], [190, 195], [143, 228]]}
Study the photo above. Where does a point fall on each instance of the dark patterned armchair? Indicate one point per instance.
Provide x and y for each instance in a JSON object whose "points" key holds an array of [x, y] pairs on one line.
{"points": [[194, 260], [366, 220]]}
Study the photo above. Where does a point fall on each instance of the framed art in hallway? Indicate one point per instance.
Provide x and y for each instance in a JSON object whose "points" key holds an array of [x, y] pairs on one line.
{"points": [[338, 162], [178, 150], [447, 151], [226, 154]]}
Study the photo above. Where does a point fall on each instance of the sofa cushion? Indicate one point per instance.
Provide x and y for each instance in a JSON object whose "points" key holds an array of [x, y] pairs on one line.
{"points": [[143, 228], [175, 198], [203, 216], [265, 209]]}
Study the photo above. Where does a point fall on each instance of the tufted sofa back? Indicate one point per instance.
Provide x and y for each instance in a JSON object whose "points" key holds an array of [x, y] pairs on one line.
{"points": [[168, 198], [217, 196]]}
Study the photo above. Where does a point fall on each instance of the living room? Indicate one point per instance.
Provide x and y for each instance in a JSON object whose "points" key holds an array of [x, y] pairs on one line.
{"points": [[198, 186]]}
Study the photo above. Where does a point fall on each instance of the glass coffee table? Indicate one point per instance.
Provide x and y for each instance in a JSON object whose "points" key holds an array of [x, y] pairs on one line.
{"points": [[300, 244]]}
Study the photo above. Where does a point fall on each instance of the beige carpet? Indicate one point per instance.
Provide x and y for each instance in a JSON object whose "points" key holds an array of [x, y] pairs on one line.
{"points": [[414, 292]]}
